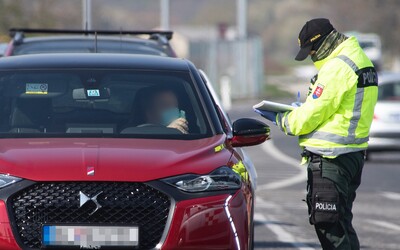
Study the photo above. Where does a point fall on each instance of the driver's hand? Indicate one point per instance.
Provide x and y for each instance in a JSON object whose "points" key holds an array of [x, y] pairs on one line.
{"points": [[180, 124]]}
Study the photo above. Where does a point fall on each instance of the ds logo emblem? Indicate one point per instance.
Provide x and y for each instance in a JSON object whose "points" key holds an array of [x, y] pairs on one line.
{"points": [[83, 199]]}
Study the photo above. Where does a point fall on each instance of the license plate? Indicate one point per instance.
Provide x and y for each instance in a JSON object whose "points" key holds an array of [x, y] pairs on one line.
{"points": [[91, 237]]}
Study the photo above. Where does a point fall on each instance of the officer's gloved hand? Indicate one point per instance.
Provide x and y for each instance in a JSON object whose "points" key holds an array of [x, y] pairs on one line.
{"points": [[269, 115], [296, 104]]}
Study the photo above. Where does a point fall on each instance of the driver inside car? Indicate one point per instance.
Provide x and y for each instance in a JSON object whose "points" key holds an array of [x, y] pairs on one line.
{"points": [[161, 108]]}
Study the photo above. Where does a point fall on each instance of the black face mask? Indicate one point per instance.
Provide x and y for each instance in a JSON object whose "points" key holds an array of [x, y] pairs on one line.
{"points": [[327, 45], [318, 44], [314, 57]]}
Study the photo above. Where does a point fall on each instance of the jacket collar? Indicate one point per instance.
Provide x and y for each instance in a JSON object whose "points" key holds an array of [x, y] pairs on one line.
{"points": [[349, 42]]}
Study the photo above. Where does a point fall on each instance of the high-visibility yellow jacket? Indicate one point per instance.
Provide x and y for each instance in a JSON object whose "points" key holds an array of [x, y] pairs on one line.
{"points": [[336, 117]]}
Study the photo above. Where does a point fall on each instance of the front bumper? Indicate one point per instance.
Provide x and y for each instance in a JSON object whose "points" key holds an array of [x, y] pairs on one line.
{"points": [[214, 222], [7, 240]]}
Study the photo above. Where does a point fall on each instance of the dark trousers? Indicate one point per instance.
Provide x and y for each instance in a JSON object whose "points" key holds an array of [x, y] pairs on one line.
{"points": [[345, 172]]}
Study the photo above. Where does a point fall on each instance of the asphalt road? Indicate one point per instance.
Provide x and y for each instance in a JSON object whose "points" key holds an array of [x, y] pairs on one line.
{"points": [[281, 220]]}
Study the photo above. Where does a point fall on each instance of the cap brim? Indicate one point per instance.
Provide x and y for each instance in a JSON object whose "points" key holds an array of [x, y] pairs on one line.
{"points": [[303, 53]]}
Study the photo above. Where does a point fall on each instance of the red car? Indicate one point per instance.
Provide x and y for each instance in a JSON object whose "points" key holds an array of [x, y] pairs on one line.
{"points": [[107, 151]]}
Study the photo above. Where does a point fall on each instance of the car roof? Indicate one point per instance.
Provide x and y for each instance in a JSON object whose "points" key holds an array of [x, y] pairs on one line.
{"points": [[93, 60], [388, 77]]}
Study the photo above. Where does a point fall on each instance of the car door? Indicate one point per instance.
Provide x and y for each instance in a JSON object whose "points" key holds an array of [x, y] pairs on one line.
{"points": [[227, 125]]}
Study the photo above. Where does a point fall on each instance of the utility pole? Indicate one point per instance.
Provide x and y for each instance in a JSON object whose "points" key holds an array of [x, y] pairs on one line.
{"points": [[241, 18], [241, 64], [86, 14], [164, 14]]}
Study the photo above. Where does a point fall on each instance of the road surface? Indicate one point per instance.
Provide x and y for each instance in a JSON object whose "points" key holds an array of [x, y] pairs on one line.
{"points": [[281, 216]]}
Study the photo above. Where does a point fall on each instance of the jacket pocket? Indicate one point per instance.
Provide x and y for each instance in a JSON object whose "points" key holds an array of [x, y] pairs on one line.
{"points": [[325, 208]]}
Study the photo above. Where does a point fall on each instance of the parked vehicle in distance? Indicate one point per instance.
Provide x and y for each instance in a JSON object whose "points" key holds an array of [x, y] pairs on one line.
{"points": [[3, 47], [89, 41], [93, 156], [385, 129]]}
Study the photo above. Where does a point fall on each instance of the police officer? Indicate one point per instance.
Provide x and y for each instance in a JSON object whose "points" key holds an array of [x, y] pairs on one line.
{"points": [[333, 127]]}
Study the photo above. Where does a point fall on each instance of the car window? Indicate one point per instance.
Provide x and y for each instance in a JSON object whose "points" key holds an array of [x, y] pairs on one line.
{"points": [[389, 91], [222, 115], [367, 44], [100, 103]]}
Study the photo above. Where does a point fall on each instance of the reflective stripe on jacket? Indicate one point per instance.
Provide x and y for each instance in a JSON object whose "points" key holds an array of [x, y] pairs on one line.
{"points": [[337, 115]]}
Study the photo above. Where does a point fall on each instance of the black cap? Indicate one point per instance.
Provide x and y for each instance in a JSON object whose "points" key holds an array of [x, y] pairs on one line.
{"points": [[312, 32]]}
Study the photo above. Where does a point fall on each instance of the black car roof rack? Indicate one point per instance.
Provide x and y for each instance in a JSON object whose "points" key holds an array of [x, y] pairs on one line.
{"points": [[154, 34]]}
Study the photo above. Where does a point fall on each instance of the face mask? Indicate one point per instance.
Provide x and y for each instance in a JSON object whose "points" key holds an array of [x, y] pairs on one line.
{"points": [[169, 116], [314, 57]]}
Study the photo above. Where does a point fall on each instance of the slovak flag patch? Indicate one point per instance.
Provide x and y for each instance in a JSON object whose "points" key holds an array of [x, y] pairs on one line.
{"points": [[318, 91]]}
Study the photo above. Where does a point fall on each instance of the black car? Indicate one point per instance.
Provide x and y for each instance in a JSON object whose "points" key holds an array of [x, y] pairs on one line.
{"points": [[89, 41]]}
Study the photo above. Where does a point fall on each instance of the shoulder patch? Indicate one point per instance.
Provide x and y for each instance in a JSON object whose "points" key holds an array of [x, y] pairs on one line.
{"points": [[318, 91]]}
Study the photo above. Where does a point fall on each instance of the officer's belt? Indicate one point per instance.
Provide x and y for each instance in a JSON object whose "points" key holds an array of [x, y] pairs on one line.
{"points": [[314, 158]]}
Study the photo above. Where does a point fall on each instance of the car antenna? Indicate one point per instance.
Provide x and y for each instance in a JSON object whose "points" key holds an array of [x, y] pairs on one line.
{"points": [[95, 42]]}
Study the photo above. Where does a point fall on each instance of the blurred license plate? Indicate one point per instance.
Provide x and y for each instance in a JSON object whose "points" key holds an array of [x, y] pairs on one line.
{"points": [[89, 236]]}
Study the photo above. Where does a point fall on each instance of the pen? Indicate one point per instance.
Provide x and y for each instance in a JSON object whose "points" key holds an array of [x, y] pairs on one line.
{"points": [[298, 96]]}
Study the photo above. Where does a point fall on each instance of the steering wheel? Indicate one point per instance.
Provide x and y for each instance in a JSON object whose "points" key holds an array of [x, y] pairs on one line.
{"points": [[150, 125]]}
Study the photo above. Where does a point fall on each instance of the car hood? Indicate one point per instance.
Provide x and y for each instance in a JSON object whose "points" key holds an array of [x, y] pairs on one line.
{"points": [[111, 159]]}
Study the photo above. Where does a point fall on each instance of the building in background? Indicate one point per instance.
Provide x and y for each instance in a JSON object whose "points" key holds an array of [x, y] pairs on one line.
{"points": [[220, 53]]}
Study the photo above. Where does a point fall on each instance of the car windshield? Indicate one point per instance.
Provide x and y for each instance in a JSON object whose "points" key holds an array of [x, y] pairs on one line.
{"points": [[100, 103], [389, 91]]}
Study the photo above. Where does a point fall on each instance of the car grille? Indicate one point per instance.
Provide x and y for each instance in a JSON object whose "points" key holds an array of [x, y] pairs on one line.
{"points": [[59, 203]]}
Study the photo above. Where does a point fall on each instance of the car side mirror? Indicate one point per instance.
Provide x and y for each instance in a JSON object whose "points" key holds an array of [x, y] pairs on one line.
{"points": [[249, 132]]}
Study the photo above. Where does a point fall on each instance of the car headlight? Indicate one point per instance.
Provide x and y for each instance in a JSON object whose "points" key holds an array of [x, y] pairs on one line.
{"points": [[223, 178], [6, 180]]}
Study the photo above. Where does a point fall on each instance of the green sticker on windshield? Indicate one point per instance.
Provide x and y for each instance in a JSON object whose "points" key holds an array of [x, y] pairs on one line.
{"points": [[93, 93], [36, 88]]}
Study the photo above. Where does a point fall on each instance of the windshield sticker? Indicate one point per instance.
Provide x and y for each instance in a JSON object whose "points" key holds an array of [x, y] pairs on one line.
{"points": [[36, 88], [219, 148], [93, 92]]}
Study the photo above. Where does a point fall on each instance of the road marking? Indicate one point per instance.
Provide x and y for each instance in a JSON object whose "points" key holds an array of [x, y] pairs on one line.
{"points": [[391, 195], [265, 204], [385, 224], [273, 151], [281, 234]]}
